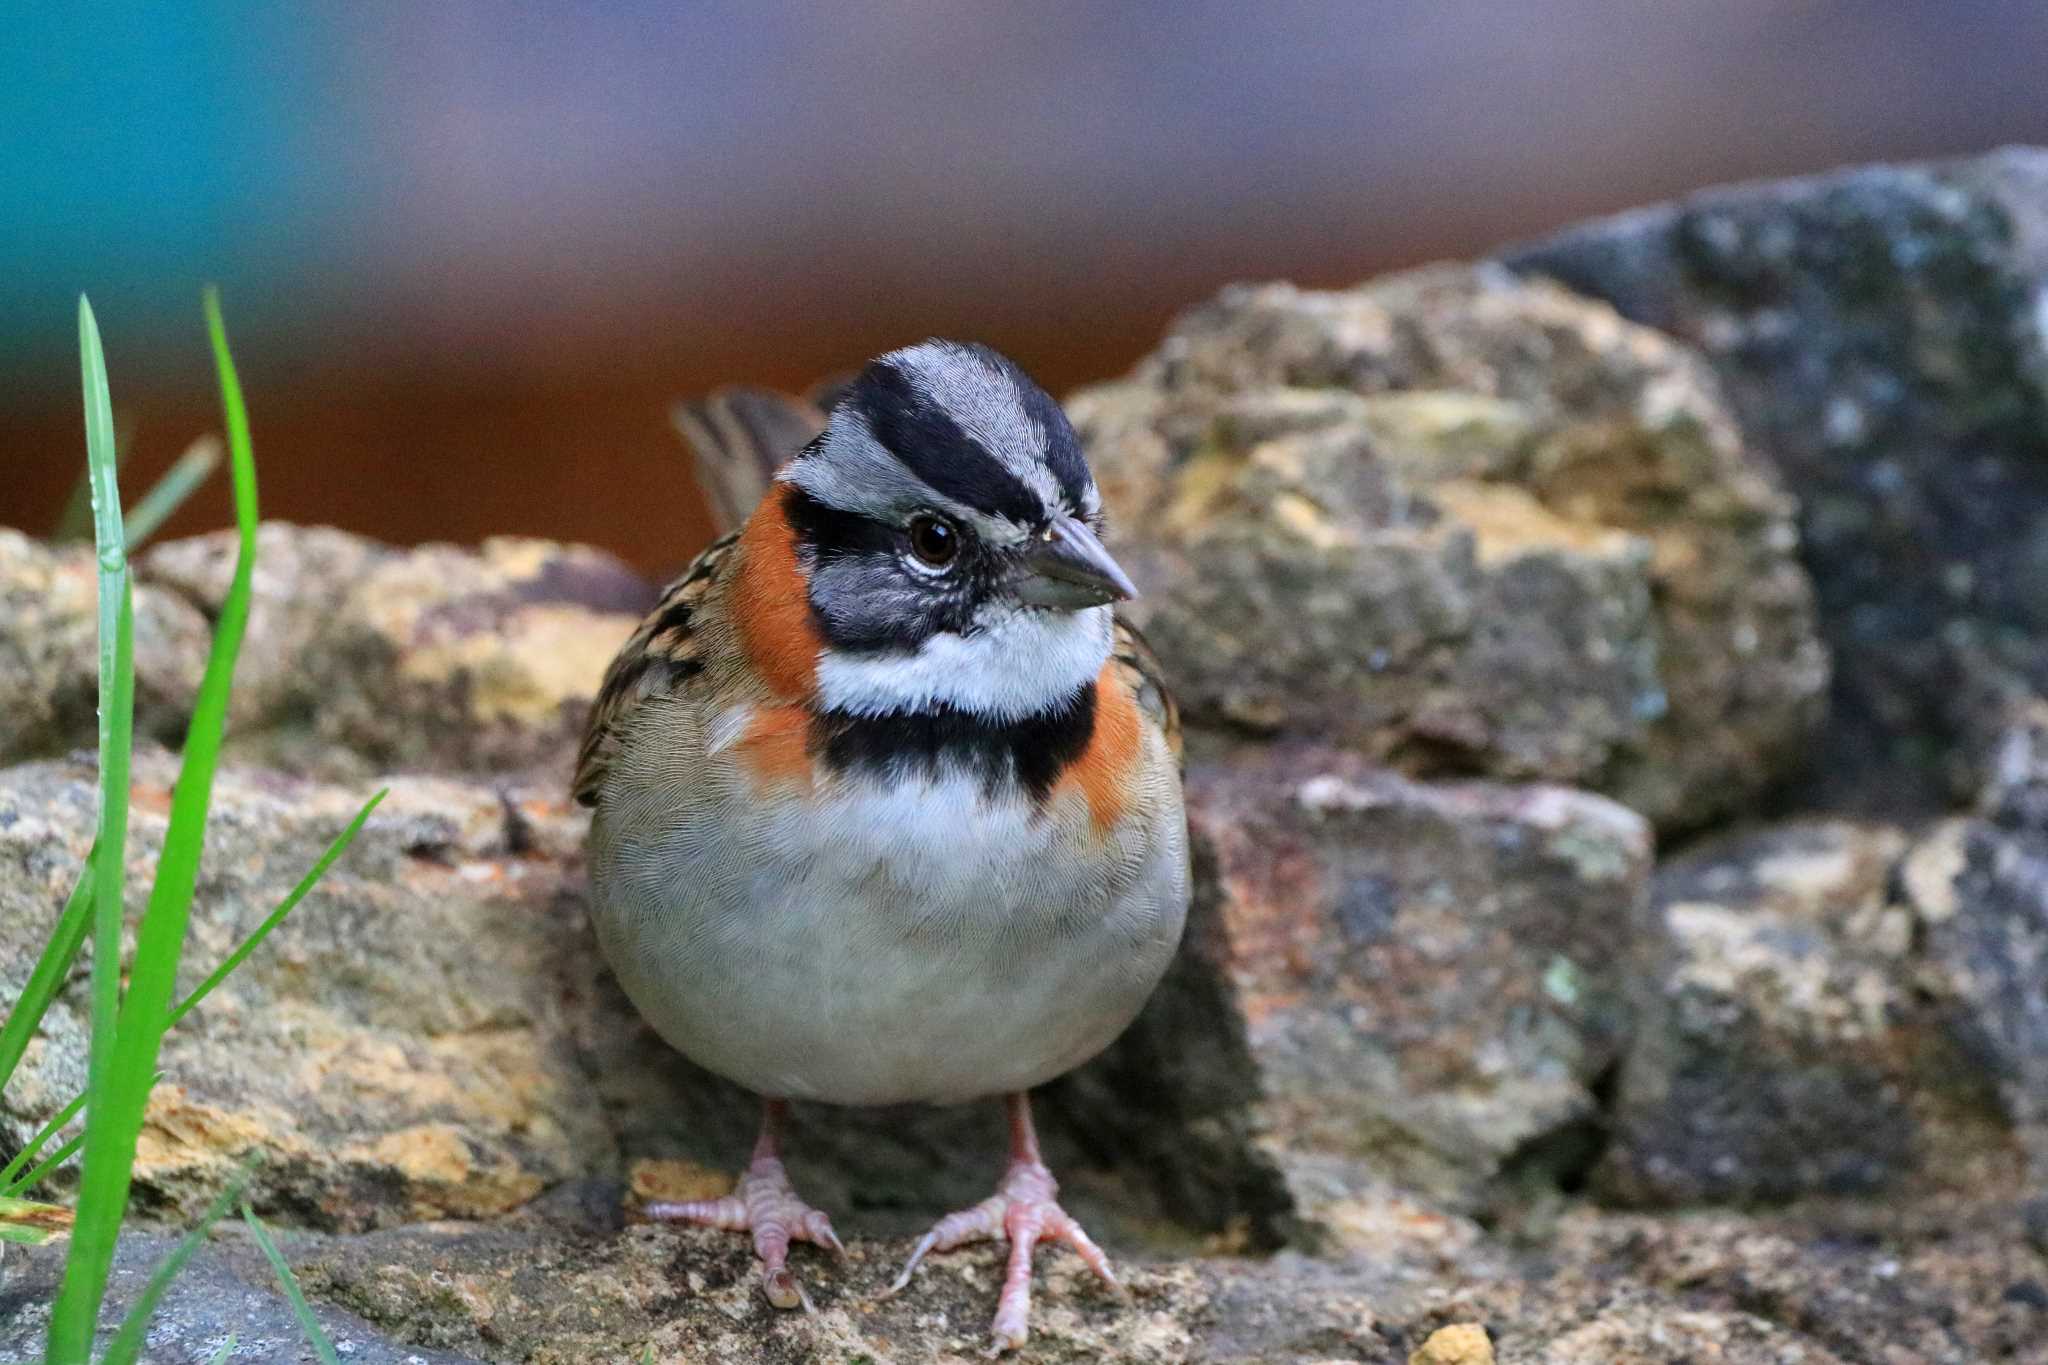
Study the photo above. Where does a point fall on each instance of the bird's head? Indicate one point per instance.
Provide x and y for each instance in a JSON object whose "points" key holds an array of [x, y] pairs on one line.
{"points": [[947, 530]]}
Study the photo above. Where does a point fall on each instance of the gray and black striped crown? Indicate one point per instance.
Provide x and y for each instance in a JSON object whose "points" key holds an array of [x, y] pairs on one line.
{"points": [[970, 425]]}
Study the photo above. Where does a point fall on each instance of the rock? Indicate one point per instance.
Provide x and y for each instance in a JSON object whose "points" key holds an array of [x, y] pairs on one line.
{"points": [[1981, 890], [302, 577], [1433, 979], [227, 1288], [433, 658], [478, 661], [1468, 525], [1929, 1283], [400, 1048], [49, 652], [1794, 1050], [563, 1281], [1878, 333]]}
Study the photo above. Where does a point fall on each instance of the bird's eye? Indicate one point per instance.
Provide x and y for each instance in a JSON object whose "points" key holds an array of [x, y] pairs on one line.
{"points": [[933, 540]]}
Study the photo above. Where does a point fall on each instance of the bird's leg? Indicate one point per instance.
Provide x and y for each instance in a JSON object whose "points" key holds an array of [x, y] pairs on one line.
{"points": [[1023, 1211], [765, 1204]]}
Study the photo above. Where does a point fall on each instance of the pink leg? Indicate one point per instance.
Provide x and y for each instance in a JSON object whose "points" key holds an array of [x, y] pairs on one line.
{"points": [[1024, 1210], [764, 1203]]}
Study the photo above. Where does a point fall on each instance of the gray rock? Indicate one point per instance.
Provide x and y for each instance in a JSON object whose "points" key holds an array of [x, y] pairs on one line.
{"points": [[1432, 979], [49, 652], [1878, 332], [226, 1289], [1467, 525], [1793, 1049], [1981, 890]]}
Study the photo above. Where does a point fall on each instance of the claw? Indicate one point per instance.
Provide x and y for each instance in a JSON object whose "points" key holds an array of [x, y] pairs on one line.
{"points": [[765, 1204], [1023, 1212]]}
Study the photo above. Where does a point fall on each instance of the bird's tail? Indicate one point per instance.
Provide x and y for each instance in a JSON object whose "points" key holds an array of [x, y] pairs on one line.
{"points": [[739, 437]]}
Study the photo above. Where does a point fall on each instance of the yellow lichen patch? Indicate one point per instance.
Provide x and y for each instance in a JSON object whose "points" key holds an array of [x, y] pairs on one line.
{"points": [[445, 1177], [1199, 485], [1307, 521], [1464, 1343], [1506, 523], [676, 1178], [520, 557], [546, 655], [180, 1135]]}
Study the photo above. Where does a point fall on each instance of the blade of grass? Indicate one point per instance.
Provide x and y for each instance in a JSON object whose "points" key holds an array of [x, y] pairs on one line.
{"points": [[227, 1348], [46, 977], [173, 488], [75, 521], [308, 1324], [103, 1189], [35, 1144], [127, 1344], [31, 1179], [284, 907]]}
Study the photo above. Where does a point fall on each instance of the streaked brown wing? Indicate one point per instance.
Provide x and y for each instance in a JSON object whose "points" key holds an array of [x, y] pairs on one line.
{"points": [[660, 657]]}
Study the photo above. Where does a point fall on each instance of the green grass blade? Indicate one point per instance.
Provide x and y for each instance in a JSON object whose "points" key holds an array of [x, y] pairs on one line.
{"points": [[127, 1344], [103, 1189], [43, 1168], [75, 521], [173, 488], [227, 1348], [308, 1324], [47, 977], [36, 1143], [236, 413], [284, 907]]}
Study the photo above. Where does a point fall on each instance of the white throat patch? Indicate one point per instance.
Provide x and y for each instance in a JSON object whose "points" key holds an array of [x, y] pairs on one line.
{"points": [[1016, 665]]}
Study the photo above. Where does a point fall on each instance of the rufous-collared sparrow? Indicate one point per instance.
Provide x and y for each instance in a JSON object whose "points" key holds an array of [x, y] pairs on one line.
{"points": [[888, 803]]}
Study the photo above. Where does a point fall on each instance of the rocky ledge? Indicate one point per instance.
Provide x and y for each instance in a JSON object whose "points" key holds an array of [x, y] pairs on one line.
{"points": [[1608, 946]]}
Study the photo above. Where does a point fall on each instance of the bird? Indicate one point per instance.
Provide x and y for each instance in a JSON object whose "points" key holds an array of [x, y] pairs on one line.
{"points": [[886, 796]]}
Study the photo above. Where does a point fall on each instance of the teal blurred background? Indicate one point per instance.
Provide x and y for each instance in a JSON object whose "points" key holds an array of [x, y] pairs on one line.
{"points": [[469, 251]]}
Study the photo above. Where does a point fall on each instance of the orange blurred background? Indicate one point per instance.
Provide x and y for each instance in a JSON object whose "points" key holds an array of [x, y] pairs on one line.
{"points": [[471, 252]]}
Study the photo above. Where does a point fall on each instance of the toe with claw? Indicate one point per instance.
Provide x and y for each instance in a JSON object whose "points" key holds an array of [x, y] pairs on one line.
{"points": [[767, 1205], [1023, 1211]]}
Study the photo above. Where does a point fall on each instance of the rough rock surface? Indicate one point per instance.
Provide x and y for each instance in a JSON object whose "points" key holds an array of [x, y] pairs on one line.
{"points": [[1879, 334], [49, 652], [1980, 885], [1464, 524], [400, 1048], [437, 658], [564, 1282], [1432, 979], [1802, 1042]]}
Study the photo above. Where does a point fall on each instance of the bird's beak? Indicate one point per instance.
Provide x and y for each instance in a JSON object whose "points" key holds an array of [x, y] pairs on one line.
{"points": [[1066, 567]]}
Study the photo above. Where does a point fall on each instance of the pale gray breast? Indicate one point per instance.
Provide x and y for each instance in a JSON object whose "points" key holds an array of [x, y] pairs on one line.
{"points": [[877, 942]]}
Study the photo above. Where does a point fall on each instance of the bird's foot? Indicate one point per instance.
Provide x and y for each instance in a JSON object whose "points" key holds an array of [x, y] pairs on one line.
{"points": [[766, 1204], [1023, 1211]]}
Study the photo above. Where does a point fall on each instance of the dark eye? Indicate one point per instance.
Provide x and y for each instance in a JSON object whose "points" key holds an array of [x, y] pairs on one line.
{"points": [[934, 540]]}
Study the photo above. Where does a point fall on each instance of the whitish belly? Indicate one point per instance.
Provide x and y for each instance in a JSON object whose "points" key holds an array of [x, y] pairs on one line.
{"points": [[918, 943]]}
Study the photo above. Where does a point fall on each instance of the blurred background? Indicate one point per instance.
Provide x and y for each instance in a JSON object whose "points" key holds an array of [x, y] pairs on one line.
{"points": [[470, 252]]}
